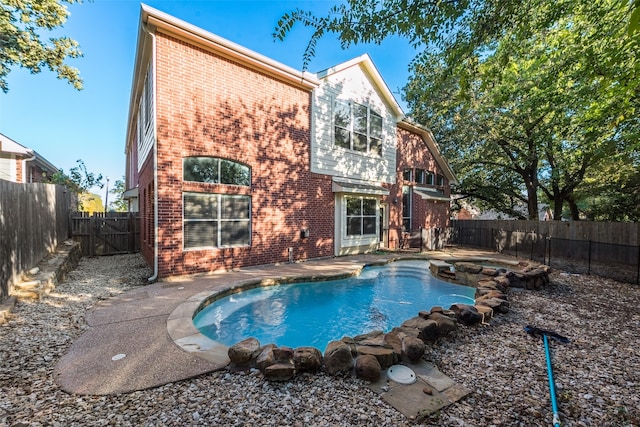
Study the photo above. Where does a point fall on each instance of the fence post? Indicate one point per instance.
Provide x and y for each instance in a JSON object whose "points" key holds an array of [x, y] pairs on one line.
{"points": [[532, 235], [589, 262], [92, 232], [130, 230], [638, 267], [516, 234]]}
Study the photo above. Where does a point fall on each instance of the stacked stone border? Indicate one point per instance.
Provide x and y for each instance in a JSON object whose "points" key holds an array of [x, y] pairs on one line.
{"points": [[367, 355]]}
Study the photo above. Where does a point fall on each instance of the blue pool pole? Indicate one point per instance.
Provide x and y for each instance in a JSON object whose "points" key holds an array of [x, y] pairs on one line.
{"points": [[552, 388]]}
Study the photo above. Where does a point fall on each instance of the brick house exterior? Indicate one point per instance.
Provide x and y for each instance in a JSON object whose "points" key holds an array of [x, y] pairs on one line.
{"points": [[236, 160]]}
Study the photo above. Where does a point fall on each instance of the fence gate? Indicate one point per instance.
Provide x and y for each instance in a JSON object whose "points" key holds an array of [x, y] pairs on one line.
{"points": [[106, 233]]}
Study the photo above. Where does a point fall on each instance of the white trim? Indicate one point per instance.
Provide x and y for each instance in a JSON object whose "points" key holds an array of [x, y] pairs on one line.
{"points": [[358, 187], [367, 64], [430, 141], [430, 194], [226, 48]]}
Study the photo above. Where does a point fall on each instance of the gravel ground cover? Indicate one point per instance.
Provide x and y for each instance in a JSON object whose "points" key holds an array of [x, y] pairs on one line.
{"points": [[597, 374]]}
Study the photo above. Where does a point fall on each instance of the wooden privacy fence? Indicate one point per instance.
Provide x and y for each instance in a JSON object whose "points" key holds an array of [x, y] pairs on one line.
{"points": [[607, 249], [106, 233], [33, 221]]}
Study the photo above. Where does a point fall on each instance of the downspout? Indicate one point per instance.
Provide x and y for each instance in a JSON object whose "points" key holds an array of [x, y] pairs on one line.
{"points": [[24, 167], [155, 157]]}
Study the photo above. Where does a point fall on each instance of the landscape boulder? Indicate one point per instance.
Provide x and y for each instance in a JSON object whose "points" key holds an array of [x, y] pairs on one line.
{"points": [[368, 368], [337, 357], [307, 359], [244, 352]]}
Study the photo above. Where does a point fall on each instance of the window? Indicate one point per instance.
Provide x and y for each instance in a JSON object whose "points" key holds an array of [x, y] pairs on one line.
{"points": [[429, 178], [357, 127], [213, 170], [216, 220], [407, 175], [440, 180], [406, 208], [420, 176], [361, 216], [148, 99]]}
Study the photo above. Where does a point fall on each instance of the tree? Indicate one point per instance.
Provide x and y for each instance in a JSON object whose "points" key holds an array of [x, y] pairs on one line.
{"points": [[525, 98], [79, 181], [90, 202], [21, 44], [119, 204]]}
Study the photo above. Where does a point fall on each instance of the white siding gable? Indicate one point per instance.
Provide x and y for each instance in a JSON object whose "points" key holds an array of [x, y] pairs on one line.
{"points": [[146, 118], [351, 84]]}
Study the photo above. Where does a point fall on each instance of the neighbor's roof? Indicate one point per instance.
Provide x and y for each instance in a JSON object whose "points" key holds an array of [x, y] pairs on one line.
{"points": [[8, 145]]}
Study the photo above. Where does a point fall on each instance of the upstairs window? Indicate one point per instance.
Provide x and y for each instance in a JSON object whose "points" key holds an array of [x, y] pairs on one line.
{"points": [[420, 176], [430, 178], [357, 127], [213, 170], [407, 175], [440, 180]]}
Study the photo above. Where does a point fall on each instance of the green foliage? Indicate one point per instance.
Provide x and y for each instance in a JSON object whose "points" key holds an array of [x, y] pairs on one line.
{"points": [[21, 44], [79, 179], [529, 100], [119, 204]]}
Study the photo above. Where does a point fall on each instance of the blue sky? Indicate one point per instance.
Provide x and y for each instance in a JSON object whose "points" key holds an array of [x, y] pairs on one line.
{"points": [[64, 125]]}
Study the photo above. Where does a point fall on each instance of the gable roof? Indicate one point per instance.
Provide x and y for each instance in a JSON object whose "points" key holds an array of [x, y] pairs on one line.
{"points": [[153, 21], [166, 23], [8, 145], [429, 139], [367, 65]]}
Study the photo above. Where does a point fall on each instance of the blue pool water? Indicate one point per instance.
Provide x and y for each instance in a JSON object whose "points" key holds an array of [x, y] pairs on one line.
{"points": [[313, 314]]}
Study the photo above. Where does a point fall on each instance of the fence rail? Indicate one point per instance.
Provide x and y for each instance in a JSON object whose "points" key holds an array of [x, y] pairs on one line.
{"points": [[617, 261]]}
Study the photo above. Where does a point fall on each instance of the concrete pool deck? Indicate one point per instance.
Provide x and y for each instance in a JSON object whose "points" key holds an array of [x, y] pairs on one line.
{"points": [[145, 338]]}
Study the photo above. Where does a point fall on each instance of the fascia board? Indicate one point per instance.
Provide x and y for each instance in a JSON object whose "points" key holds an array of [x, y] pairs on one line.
{"points": [[429, 139], [195, 35], [8, 145]]}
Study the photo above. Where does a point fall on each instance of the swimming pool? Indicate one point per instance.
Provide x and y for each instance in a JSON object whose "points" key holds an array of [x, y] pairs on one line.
{"points": [[315, 313]]}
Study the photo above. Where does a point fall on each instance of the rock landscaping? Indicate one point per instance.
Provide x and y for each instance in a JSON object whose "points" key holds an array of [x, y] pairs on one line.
{"points": [[367, 355], [597, 376]]}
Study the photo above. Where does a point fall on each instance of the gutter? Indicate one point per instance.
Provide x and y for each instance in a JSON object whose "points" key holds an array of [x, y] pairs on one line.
{"points": [[154, 277]]}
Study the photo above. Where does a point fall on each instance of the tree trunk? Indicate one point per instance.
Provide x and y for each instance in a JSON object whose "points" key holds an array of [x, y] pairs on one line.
{"points": [[557, 207], [573, 207]]}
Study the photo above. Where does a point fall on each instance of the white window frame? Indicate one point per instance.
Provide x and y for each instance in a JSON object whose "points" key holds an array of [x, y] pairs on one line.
{"points": [[351, 128], [219, 220], [362, 216]]}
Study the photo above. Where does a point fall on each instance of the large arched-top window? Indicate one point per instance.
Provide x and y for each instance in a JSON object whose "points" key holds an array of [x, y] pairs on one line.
{"points": [[214, 170]]}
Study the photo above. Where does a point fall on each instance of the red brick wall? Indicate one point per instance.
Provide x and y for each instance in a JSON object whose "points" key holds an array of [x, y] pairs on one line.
{"points": [[210, 106], [413, 153], [19, 173]]}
